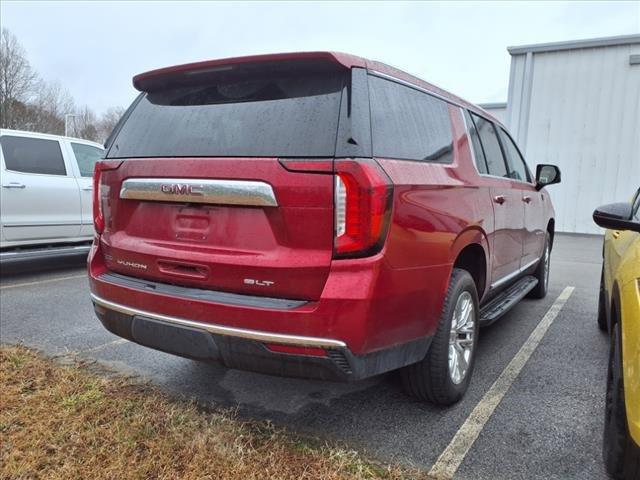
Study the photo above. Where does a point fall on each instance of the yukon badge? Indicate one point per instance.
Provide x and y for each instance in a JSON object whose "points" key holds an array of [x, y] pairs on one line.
{"points": [[181, 189], [126, 263]]}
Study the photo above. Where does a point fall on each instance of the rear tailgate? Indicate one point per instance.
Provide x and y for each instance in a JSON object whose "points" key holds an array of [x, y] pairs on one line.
{"points": [[161, 226]]}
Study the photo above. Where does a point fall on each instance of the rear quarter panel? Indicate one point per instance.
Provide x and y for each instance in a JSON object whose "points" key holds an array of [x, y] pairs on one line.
{"points": [[438, 210]]}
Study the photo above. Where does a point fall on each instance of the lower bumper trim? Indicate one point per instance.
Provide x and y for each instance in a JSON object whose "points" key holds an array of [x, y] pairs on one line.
{"points": [[256, 335]]}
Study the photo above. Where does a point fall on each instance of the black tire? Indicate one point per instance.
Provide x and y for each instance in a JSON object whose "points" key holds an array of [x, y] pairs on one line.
{"points": [[602, 306], [621, 456], [542, 271], [430, 379]]}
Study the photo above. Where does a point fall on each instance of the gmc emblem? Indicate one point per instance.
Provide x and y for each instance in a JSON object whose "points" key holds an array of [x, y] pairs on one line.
{"points": [[181, 189]]}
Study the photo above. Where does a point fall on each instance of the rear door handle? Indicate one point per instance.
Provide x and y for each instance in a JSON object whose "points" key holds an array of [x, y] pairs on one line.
{"points": [[526, 199], [87, 189], [499, 199], [14, 185]]}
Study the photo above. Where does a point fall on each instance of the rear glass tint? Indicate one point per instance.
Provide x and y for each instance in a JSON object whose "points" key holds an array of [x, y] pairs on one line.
{"points": [[285, 115], [409, 124]]}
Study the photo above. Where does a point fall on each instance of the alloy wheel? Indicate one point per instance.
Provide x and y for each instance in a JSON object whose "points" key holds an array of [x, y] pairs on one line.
{"points": [[461, 337]]}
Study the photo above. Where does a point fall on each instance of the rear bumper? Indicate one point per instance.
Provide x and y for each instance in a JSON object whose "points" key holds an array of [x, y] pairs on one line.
{"points": [[249, 349], [369, 319]]}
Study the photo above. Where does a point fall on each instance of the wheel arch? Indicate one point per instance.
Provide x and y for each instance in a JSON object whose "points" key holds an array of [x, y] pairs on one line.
{"points": [[551, 230], [613, 308], [470, 252]]}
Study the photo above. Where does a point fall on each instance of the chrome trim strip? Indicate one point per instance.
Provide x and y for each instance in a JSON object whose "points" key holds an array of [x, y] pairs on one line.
{"points": [[467, 132], [43, 224], [222, 330], [415, 87], [223, 192], [34, 254], [434, 94], [507, 178], [514, 274]]}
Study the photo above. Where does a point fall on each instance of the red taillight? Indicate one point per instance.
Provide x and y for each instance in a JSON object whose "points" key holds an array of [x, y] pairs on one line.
{"points": [[363, 201], [98, 192]]}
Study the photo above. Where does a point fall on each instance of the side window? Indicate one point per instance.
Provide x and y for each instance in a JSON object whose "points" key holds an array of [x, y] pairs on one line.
{"points": [[478, 152], [491, 146], [409, 124], [32, 155], [517, 168], [86, 156]]}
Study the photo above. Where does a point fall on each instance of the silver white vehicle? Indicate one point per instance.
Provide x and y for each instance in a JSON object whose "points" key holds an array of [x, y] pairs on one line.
{"points": [[46, 204]]}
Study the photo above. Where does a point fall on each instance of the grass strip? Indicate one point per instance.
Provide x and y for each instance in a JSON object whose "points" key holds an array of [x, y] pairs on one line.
{"points": [[69, 421]]}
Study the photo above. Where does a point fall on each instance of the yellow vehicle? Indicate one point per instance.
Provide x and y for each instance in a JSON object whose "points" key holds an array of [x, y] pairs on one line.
{"points": [[619, 314]]}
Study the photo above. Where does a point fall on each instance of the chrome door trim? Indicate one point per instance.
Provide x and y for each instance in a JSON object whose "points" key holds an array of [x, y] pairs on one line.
{"points": [[41, 253], [256, 335], [512, 275], [42, 224], [223, 192]]}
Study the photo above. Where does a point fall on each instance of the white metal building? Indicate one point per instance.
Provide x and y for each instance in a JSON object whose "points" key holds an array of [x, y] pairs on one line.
{"points": [[498, 110], [577, 105]]}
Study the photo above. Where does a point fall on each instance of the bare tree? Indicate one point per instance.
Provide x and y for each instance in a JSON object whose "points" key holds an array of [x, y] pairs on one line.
{"points": [[108, 122], [49, 107], [28, 103], [85, 124], [17, 81]]}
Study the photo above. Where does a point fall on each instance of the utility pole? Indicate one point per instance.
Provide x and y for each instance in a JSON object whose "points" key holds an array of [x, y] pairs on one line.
{"points": [[66, 122]]}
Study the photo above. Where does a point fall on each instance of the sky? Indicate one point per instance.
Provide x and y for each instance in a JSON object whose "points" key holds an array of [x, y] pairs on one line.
{"points": [[94, 48]]}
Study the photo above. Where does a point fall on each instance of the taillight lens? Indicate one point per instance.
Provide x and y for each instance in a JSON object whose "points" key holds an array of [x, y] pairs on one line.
{"points": [[99, 193], [363, 201]]}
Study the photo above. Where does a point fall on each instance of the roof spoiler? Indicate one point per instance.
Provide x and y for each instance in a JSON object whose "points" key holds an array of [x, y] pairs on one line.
{"points": [[202, 72]]}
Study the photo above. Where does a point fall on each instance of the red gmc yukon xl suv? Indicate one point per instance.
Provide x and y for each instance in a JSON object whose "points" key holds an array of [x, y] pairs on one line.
{"points": [[316, 215]]}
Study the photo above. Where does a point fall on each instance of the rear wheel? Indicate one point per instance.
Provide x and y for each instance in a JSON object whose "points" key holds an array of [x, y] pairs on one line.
{"points": [[621, 456], [602, 312], [542, 272], [444, 375]]}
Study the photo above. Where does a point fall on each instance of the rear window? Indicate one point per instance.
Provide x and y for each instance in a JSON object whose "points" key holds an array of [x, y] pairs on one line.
{"points": [[409, 124], [283, 115]]}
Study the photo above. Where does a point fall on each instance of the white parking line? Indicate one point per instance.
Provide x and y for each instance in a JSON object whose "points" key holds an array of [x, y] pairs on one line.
{"points": [[450, 460], [39, 282]]}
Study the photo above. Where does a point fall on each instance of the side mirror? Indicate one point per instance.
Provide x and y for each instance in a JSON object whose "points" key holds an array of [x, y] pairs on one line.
{"points": [[616, 216], [546, 175]]}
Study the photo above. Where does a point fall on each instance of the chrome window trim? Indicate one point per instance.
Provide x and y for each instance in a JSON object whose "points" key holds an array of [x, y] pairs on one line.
{"points": [[506, 178], [222, 192], [526, 167], [414, 86], [471, 147], [448, 100], [511, 275], [256, 335]]}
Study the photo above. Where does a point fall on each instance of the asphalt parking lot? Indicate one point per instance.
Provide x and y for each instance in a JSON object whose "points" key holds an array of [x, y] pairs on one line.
{"points": [[547, 426]]}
